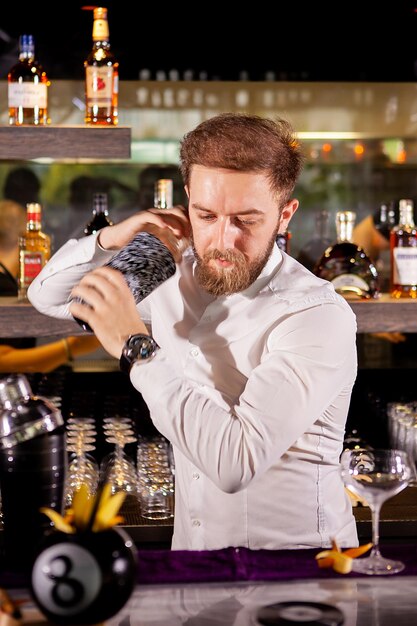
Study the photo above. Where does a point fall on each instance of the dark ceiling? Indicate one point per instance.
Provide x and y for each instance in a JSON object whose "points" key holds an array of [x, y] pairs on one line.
{"points": [[354, 41]]}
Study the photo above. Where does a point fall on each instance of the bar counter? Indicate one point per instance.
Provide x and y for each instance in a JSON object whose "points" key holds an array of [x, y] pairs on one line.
{"points": [[225, 587]]}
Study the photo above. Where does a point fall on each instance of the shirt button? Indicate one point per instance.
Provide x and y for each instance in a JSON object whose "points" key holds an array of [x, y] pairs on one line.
{"points": [[196, 522], [194, 352], [196, 476]]}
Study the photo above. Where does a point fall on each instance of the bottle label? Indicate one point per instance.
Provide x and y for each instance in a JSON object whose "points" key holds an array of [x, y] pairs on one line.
{"points": [[350, 282], [405, 266], [32, 263], [28, 95], [99, 86]]}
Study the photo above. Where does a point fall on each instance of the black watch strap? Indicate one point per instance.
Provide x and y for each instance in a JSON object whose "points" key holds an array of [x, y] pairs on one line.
{"points": [[137, 349]]}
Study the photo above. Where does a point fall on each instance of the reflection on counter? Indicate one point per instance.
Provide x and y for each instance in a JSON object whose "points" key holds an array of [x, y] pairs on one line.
{"points": [[362, 602]]}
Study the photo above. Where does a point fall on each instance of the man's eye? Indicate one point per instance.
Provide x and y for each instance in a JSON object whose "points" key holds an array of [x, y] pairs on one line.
{"points": [[246, 222], [207, 218]]}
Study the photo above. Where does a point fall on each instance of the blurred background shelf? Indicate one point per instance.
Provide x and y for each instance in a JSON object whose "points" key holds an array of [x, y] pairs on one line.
{"points": [[21, 319]]}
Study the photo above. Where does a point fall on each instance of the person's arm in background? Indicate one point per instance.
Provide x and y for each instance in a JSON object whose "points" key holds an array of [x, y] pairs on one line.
{"points": [[47, 357], [367, 236]]}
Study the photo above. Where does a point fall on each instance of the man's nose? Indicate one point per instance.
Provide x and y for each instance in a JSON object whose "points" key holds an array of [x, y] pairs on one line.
{"points": [[226, 234]]}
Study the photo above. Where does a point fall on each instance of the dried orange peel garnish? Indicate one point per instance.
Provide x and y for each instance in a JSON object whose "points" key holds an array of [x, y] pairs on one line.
{"points": [[97, 513], [340, 561]]}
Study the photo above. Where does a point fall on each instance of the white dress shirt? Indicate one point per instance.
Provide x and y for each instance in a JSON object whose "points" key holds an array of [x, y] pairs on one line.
{"points": [[252, 390]]}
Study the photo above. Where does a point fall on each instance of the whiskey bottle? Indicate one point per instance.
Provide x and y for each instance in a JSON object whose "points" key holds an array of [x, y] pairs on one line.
{"points": [[34, 249], [27, 87], [100, 217], [346, 265], [403, 253], [101, 75], [313, 250]]}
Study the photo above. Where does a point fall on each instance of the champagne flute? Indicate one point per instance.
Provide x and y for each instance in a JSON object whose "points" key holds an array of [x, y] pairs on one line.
{"points": [[376, 476]]}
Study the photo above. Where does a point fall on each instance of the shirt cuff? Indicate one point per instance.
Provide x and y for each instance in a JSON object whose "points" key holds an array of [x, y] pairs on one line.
{"points": [[101, 253]]}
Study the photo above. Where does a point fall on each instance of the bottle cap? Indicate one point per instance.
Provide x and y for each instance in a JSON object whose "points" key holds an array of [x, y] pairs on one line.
{"points": [[100, 13], [163, 193], [405, 203], [33, 207], [26, 43], [100, 202], [346, 216], [33, 212]]}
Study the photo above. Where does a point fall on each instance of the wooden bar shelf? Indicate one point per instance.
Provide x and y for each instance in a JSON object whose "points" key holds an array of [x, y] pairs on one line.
{"points": [[385, 314], [20, 319], [65, 142]]}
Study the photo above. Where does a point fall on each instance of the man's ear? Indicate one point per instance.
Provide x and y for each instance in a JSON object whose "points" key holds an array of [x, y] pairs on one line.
{"points": [[286, 215]]}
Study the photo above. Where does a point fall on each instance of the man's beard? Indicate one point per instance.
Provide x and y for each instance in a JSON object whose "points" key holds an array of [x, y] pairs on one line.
{"points": [[223, 282]]}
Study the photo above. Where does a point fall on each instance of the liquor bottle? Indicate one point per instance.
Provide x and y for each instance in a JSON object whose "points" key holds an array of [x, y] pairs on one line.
{"points": [[145, 261], [347, 265], [385, 219], [283, 241], [27, 87], [34, 249], [100, 217], [101, 75], [319, 242], [403, 253]]}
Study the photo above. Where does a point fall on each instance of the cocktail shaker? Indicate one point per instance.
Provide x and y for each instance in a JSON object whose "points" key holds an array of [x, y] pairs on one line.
{"points": [[145, 261], [32, 467]]}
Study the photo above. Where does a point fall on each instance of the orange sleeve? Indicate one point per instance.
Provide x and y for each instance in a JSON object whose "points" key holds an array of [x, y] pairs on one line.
{"points": [[42, 359]]}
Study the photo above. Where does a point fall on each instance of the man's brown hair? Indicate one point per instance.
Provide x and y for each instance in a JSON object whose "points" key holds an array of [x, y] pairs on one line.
{"points": [[246, 143]]}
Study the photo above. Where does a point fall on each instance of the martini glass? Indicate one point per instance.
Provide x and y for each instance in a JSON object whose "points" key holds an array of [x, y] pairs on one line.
{"points": [[376, 476]]}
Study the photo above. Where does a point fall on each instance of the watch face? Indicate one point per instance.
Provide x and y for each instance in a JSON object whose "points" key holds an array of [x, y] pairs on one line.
{"points": [[141, 347], [138, 348]]}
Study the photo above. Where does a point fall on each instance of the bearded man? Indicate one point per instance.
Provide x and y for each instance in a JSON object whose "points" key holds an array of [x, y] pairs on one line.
{"points": [[245, 359]]}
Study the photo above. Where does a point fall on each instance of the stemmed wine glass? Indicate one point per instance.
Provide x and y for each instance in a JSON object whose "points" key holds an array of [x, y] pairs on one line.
{"points": [[82, 467], [376, 476], [117, 467]]}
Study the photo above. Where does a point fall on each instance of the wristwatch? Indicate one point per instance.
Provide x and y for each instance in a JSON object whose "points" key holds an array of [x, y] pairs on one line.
{"points": [[137, 349]]}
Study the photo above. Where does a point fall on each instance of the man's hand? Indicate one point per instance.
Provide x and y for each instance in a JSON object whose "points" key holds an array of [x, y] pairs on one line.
{"points": [[169, 225], [108, 307]]}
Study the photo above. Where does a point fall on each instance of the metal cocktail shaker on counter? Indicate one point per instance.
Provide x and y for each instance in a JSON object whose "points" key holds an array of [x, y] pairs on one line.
{"points": [[32, 467]]}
